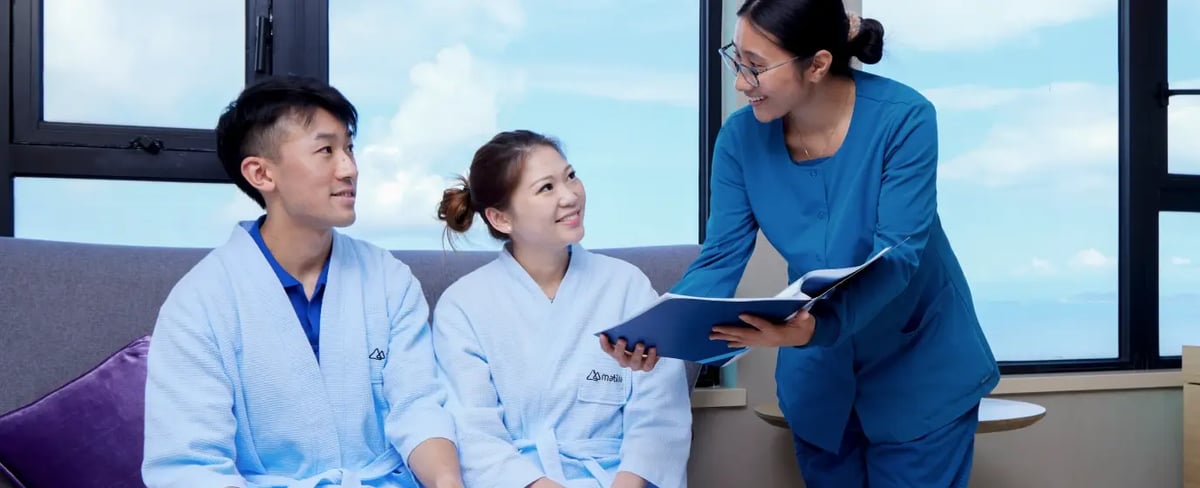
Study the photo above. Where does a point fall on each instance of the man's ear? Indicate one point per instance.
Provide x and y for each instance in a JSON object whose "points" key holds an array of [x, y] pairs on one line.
{"points": [[258, 171], [499, 220]]}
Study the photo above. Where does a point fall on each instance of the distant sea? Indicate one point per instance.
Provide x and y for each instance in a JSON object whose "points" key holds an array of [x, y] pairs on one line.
{"points": [[1082, 328]]}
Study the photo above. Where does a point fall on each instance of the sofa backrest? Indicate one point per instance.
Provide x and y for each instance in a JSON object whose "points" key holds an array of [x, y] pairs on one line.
{"points": [[64, 307]]}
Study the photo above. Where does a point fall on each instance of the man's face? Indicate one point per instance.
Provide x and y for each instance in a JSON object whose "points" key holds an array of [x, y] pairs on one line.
{"points": [[314, 174]]}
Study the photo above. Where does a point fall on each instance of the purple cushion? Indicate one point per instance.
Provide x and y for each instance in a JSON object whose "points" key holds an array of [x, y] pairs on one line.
{"points": [[86, 433]]}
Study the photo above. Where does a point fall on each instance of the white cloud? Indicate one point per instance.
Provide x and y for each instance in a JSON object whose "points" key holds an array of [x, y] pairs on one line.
{"points": [[974, 97], [374, 43], [1037, 267], [143, 64], [1064, 127], [1091, 258], [619, 83], [1066, 133], [964, 25], [449, 105], [1180, 261], [368, 27], [453, 103]]}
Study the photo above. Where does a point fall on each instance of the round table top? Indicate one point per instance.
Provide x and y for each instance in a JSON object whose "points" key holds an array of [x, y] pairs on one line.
{"points": [[995, 414]]}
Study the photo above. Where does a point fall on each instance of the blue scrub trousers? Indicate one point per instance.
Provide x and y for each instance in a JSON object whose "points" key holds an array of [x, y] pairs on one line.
{"points": [[940, 459]]}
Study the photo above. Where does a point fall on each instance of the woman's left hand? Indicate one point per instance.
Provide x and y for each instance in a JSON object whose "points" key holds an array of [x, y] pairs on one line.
{"points": [[797, 331]]}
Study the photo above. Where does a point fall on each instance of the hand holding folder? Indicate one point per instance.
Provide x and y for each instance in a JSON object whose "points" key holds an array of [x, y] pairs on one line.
{"points": [[678, 326]]}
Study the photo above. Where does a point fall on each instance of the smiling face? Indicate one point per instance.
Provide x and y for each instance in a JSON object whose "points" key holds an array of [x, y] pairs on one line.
{"points": [[784, 83], [311, 179], [547, 205]]}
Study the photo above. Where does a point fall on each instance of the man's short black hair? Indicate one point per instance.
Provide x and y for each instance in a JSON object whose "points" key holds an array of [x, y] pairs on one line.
{"points": [[250, 126]]}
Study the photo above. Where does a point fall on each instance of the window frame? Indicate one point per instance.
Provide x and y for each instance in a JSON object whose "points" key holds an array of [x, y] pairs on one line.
{"points": [[29, 126], [299, 44], [1152, 188], [37, 148]]}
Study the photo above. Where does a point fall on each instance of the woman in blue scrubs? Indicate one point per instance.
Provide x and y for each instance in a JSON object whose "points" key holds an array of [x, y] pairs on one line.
{"points": [[881, 383]]}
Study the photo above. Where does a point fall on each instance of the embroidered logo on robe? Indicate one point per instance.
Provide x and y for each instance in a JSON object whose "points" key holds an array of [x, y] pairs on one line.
{"points": [[598, 376], [377, 355]]}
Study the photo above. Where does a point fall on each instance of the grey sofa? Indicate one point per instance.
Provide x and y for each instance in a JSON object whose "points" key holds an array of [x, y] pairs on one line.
{"points": [[64, 307]]}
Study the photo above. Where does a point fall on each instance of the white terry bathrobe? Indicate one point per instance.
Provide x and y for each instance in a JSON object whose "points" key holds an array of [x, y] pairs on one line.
{"points": [[236, 397], [533, 394]]}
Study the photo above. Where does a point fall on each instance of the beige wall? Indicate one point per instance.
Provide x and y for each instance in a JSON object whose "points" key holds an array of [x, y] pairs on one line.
{"points": [[1107, 439], [1101, 439]]}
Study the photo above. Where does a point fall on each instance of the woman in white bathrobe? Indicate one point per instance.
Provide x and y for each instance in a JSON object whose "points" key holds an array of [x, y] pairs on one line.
{"points": [[536, 403]]}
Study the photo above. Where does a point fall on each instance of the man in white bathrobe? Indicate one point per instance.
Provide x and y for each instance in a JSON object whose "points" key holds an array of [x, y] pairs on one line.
{"points": [[294, 355]]}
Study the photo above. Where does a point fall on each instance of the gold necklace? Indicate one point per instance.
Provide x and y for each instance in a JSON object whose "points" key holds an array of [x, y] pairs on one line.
{"points": [[808, 155], [828, 135]]}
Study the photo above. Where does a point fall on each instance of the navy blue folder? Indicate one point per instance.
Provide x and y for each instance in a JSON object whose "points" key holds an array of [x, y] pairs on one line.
{"points": [[679, 326]]}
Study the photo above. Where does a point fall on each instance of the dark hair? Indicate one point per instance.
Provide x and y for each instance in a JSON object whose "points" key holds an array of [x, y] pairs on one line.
{"points": [[803, 27], [494, 174], [250, 125]]}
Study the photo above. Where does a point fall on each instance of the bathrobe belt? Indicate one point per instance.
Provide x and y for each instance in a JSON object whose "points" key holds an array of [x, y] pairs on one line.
{"points": [[380, 467], [583, 452]]}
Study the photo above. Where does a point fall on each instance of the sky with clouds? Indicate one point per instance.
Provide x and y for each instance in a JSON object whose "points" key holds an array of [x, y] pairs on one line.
{"points": [[1026, 98], [432, 81], [1028, 113]]}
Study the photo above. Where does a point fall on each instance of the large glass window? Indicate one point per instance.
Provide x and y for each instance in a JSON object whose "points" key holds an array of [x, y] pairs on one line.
{"points": [[144, 213], [1028, 116], [140, 62], [435, 80]]}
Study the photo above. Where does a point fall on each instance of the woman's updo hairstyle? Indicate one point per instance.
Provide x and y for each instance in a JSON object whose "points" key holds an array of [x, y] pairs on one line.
{"points": [[493, 176], [803, 27]]}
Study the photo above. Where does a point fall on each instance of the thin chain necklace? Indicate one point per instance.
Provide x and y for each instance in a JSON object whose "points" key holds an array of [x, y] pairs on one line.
{"points": [[828, 135]]}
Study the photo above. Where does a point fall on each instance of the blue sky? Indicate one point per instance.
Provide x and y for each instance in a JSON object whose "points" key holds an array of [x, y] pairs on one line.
{"points": [[1027, 110]]}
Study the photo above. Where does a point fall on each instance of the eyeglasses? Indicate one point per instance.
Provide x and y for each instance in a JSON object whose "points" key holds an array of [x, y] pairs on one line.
{"points": [[750, 74]]}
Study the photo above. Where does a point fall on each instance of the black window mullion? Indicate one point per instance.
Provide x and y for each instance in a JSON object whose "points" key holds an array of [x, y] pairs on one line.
{"points": [[710, 124], [258, 40], [25, 48], [1063, 366], [1171, 92], [1180, 193], [115, 164], [7, 196], [710, 99], [114, 136], [1143, 157], [301, 38]]}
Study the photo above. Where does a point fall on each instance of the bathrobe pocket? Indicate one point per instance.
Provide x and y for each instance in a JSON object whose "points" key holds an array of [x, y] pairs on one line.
{"points": [[604, 382]]}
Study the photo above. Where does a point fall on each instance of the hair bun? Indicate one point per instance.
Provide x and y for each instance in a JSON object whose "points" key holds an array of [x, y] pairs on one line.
{"points": [[867, 43], [455, 208]]}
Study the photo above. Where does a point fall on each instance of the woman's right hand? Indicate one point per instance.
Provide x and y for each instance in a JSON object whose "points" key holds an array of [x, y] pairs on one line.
{"points": [[638, 360]]}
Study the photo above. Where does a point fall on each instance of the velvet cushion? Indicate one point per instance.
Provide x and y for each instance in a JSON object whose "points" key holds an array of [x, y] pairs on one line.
{"points": [[86, 433]]}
